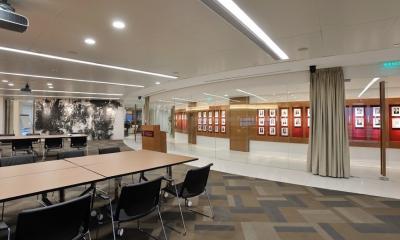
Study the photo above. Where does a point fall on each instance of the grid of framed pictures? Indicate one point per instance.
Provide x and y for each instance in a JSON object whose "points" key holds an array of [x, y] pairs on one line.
{"points": [[284, 122], [297, 117], [359, 116], [223, 121], [395, 113], [272, 122], [308, 117], [376, 117], [261, 121]]}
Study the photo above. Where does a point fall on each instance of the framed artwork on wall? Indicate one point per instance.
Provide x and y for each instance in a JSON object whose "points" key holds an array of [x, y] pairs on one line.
{"points": [[216, 121], [308, 122], [376, 123], [359, 111], [297, 112], [261, 113], [199, 121], [210, 128], [396, 123], [261, 121], [395, 111], [272, 112], [216, 129], [199, 128], [223, 113], [272, 121], [210, 121], [261, 131], [223, 121], [204, 114], [308, 112], [359, 122], [284, 131], [210, 114], [216, 114], [204, 120], [223, 129], [199, 114], [204, 128], [284, 122], [284, 113], [297, 122], [376, 111], [272, 131]]}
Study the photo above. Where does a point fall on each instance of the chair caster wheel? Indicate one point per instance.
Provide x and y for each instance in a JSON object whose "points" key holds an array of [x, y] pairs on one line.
{"points": [[165, 195], [120, 232], [100, 217], [189, 203], [93, 213]]}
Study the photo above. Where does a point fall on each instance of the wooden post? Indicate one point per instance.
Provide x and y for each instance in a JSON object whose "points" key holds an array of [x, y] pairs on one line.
{"points": [[383, 138]]}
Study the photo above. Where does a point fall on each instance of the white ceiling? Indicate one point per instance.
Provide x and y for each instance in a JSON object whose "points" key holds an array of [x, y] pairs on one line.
{"points": [[185, 38]]}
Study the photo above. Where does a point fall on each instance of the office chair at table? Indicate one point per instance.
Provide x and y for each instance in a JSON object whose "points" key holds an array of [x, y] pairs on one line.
{"points": [[22, 145], [135, 202], [194, 185], [70, 154], [17, 160], [63, 221], [52, 144], [109, 150]]}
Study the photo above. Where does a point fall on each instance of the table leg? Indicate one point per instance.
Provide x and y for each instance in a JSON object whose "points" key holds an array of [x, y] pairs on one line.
{"points": [[62, 195]]}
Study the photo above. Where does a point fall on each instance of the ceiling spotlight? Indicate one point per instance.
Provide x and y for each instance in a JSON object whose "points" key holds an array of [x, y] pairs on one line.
{"points": [[4, 81], [157, 83], [90, 41], [11, 84], [118, 24], [226, 95], [49, 84]]}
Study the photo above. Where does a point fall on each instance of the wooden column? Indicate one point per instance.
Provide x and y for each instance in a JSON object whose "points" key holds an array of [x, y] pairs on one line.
{"points": [[383, 139], [191, 124], [239, 131], [146, 111], [172, 122]]}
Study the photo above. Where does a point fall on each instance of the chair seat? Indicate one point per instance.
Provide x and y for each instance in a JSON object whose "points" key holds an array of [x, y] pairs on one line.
{"points": [[171, 189], [3, 226], [123, 217]]}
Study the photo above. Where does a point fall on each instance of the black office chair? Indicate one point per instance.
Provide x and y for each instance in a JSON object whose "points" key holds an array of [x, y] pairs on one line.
{"points": [[56, 132], [78, 142], [70, 154], [137, 201], [194, 185], [63, 221], [17, 160], [52, 144], [109, 150], [35, 141], [22, 145], [3, 227], [6, 142]]}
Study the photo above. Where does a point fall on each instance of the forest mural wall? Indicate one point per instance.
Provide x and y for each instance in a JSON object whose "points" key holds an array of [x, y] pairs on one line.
{"points": [[92, 117]]}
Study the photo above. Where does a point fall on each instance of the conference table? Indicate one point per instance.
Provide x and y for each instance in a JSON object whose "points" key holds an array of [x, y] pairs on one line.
{"points": [[43, 177], [40, 136]]}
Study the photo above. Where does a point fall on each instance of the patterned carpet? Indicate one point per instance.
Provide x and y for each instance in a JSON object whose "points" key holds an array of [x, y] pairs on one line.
{"points": [[252, 209]]}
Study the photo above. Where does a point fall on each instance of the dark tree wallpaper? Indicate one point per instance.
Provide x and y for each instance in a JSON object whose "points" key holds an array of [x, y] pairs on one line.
{"points": [[92, 117]]}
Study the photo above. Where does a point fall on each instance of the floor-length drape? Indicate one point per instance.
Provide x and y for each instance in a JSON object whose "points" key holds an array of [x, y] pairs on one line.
{"points": [[328, 149]]}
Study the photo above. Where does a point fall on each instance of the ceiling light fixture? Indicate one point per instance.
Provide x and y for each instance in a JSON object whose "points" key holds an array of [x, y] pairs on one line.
{"points": [[251, 94], [157, 83], [374, 80], [13, 50], [11, 84], [118, 24], [232, 13], [59, 91], [45, 96], [69, 79], [49, 84], [90, 41], [182, 99]]}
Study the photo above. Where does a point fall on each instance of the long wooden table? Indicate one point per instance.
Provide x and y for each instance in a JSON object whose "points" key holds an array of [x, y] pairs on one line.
{"points": [[41, 136]]}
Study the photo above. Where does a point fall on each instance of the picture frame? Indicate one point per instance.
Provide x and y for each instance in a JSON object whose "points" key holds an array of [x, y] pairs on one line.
{"points": [[308, 122], [223, 113], [216, 114], [261, 130], [199, 114], [204, 121], [284, 112], [261, 113], [308, 112], [297, 112], [210, 121], [297, 122], [210, 114], [376, 111], [204, 114], [261, 121], [376, 122], [199, 128], [284, 122], [395, 123], [223, 121], [223, 129], [285, 131], [272, 112], [199, 121], [216, 129], [359, 111], [395, 111], [210, 128], [359, 122], [272, 121], [272, 131], [216, 121], [204, 128]]}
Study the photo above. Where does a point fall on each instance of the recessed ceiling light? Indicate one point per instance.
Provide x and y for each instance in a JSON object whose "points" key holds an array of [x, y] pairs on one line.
{"points": [[118, 24], [84, 62], [49, 84], [11, 84], [226, 95], [90, 41], [157, 83], [69, 79], [59, 91], [48, 96], [4, 81]]}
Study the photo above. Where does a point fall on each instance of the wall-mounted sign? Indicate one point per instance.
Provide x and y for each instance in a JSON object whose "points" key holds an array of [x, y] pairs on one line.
{"points": [[148, 134]]}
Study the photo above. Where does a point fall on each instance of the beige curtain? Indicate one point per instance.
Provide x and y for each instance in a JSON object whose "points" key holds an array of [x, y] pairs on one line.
{"points": [[328, 149]]}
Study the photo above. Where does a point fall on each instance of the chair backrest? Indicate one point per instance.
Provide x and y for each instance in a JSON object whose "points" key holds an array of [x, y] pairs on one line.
{"points": [[138, 200], [109, 150], [78, 142], [22, 144], [56, 132], [34, 134], [53, 143], [17, 160], [195, 182], [70, 154], [63, 221]]}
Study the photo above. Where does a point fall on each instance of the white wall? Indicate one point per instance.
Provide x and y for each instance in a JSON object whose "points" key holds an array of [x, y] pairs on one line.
{"points": [[118, 131], [2, 115]]}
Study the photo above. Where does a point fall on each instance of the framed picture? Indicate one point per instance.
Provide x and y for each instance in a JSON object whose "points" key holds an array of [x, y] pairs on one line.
{"points": [[210, 114], [359, 111], [308, 112], [396, 123], [216, 128], [284, 131], [261, 121], [199, 121], [204, 114], [223, 121], [272, 112], [396, 111], [261, 113], [199, 114], [222, 129], [359, 122], [284, 113], [376, 122], [204, 128], [210, 128], [297, 122], [272, 131], [216, 114], [204, 120], [284, 122], [297, 112], [272, 121], [308, 122], [261, 131], [210, 121], [376, 111], [216, 121], [199, 128], [223, 113]]}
